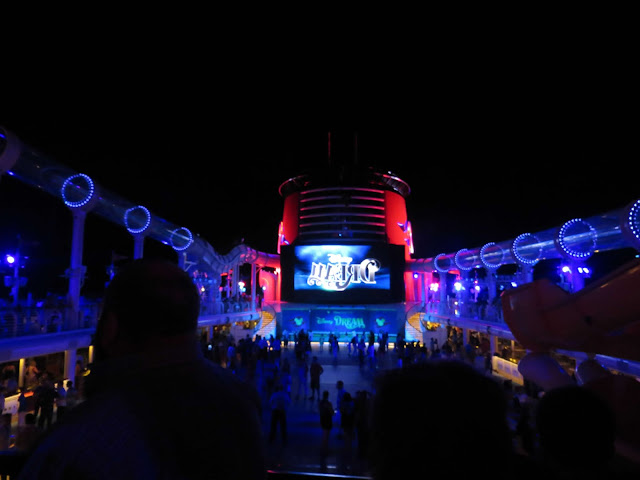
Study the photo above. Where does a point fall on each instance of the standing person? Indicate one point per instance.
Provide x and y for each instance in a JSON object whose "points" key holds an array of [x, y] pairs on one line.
{"points": [[371, 356], [339, 397], [362, 347], [61, 401], [31, 375], [131, 425], [46, 396], [303, 377], [73, 396], [340, 394], [279, 403], [335, 347], [231, 355], [488, 363], [276, 346], [26, 404], [347, 424], [315, 370], [10, 379], [326, 423]]}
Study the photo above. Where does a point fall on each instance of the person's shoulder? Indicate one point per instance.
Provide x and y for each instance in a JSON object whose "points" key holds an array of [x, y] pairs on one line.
{"points": [[92, 441], [84, 429]]}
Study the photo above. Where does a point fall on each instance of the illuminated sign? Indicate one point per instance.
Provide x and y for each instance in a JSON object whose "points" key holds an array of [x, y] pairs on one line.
{"points": [[345, 320], [294, 320], [342, 322], [343, 274], [338, 267], [338, 273]]}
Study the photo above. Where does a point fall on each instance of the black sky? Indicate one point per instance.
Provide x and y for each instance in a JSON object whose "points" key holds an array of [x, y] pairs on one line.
{"points": [[470, 184], [492, 143]]}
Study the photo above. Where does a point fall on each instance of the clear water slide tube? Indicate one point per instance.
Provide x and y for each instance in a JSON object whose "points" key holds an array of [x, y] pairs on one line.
{"points": [[577, 239], [79, 191]]}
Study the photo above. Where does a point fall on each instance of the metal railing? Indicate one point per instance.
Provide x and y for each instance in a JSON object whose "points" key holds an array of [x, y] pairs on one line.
{"points": [[12, 462], [491, 312], [22, 321]]}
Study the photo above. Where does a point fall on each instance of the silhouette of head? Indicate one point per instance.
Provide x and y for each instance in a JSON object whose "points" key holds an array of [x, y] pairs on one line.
{"points": [[576, 429], [475, 428], [147, 300]]}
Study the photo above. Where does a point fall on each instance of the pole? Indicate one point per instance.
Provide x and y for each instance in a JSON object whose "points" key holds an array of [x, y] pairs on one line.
{"points": [[253, 287], [138, 245], [15, 288], [76, 271]]}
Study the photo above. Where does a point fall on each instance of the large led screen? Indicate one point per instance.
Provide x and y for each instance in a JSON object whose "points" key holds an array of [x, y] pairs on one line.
{"points": [[343, 273]]}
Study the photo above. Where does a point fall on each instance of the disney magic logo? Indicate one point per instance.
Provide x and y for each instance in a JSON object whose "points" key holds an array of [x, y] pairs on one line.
{"points": [[338, 273]]}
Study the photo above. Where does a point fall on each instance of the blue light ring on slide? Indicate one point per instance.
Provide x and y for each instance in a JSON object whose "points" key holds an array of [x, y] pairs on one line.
{"points": [[436, 263], [10, 150], [186, 237], [78, 191], [522, 242], [576, 239], [137, 219], [489, 249], [462, 259], [631, 224]]}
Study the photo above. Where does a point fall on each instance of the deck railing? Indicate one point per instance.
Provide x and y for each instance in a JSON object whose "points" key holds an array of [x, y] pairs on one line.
{"points": [[12, 461], [21, 321]]}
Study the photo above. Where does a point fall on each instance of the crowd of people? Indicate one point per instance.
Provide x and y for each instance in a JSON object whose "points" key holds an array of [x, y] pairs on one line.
{"points": [[41, 399], [429, 413], [414, 371], [468, 391]]}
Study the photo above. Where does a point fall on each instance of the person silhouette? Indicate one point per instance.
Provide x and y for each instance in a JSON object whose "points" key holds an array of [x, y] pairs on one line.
{"points": [[576, 432], [133, 423], [315, 371], [279, 403], [469, 442], [585, 404], [326, 423]]}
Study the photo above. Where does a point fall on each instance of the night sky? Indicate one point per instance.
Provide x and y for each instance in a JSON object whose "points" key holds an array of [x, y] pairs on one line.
{"points": [[485, 161]]}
